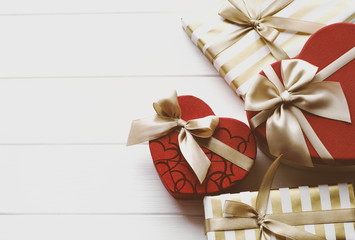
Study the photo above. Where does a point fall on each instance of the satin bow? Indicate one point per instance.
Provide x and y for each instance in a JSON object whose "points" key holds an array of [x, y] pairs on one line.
{"points": [[248, 15], [281, 106], [191, 134], [168, 119], [243, 216]]}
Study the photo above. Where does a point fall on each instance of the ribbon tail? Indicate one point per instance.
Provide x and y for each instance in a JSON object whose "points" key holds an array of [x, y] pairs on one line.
{"points": [[275, 7], [271, 225], [278, 53], [215, 49], [295, 25], [226, 152], [147, 129], [268, 35], [263, 196], [193, 154], [311, 135], [288, 231], [284, 136], [229, 224]]}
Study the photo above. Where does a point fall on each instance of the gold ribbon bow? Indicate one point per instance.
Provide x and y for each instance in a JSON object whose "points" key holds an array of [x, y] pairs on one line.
{"points": [[192, 133], [242, 216], [246, 13], [281, 106]]}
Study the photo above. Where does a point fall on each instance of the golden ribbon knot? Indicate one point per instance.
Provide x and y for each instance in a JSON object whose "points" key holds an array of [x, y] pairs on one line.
{"points": [[247, 15], [240, 216], [191, 134], [281, 106]]}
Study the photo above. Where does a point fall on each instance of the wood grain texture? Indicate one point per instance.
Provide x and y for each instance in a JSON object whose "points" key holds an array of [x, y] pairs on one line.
{"points": [[96, 110], [109, 179], [73, 75], [93, 227], [98, 45], [96, 6]]}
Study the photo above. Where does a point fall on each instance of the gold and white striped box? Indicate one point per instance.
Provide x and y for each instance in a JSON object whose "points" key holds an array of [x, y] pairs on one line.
{"points": [[240, 63], [284, 200]]}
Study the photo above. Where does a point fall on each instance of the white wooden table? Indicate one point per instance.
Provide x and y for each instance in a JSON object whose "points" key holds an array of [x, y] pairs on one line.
{"points": [[73, 74]]}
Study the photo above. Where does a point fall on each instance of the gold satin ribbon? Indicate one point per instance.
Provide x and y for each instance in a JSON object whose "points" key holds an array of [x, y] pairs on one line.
{"points": [[243, 216], [281, 106], [247, 15], [191, 134]]}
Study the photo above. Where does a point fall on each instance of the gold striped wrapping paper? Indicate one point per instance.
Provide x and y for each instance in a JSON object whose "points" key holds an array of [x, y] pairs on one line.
{"points": [[240, 63], [283, 200]]}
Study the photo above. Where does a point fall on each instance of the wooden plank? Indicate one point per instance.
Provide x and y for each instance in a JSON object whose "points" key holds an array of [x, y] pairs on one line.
{"points": [[84, 179], [96, 6], [102, 227], [98, 45], [96, 110], [110, 179]]}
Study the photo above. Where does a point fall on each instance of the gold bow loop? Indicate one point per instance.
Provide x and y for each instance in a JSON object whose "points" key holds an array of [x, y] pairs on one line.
{"points": [[258, 215], [241, 216], [247, 15], [191, 134], [168, 119], [281, 107]]}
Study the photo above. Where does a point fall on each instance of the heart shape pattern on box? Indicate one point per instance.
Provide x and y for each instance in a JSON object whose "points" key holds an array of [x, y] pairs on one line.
{"points": [[176, 174], [321, 49]]}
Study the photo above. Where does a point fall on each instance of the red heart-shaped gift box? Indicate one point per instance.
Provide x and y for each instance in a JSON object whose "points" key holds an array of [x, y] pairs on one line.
{"points": [[176, 174], [322, 48]]}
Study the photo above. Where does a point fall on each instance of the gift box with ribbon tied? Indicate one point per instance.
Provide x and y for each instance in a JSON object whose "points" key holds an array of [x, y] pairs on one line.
{"points": [[241, 37], [303, 213], [194, 152], [305, 108]]}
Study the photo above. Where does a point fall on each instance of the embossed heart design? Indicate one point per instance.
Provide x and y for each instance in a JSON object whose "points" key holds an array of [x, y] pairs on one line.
{"points": [[176, 174], [321, 49]]}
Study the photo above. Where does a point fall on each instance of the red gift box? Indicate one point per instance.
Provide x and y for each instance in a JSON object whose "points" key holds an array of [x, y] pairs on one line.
{"points": [[194, 152], [174, 171], [322, 48]]}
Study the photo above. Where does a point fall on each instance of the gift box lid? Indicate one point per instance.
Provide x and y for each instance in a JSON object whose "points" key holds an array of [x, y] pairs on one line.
{"points": [[286, 200], [241, 62]]}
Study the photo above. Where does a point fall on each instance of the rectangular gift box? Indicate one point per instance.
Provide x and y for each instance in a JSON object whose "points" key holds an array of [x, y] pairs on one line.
{"points": [[286, 200], [240, 63]]}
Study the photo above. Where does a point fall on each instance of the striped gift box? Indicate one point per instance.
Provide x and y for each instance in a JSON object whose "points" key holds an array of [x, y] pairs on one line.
{"points": [[285, 200], [240, 63]]}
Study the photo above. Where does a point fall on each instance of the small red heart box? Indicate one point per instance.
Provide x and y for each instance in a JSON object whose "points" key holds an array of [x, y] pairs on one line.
{"points": [[322, 48], [176, 174]]}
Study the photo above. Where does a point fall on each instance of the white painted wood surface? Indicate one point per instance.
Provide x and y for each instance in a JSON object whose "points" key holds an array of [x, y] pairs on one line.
{"points": [[73, 74]]}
